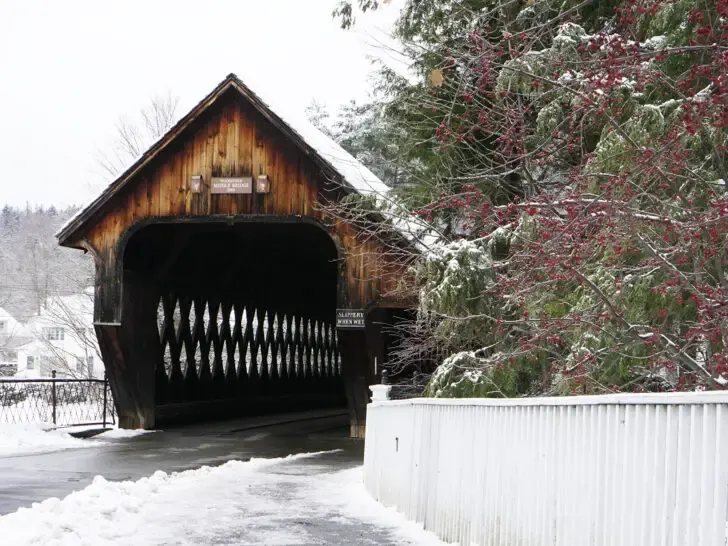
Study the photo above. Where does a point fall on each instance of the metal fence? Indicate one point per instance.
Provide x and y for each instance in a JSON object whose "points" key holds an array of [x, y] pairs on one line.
{"points": [[405, 388], [56, 402], [617, 470]]}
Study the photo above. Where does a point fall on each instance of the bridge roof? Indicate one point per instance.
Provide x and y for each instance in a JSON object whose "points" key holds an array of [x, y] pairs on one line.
{"points": [[331, 158]]}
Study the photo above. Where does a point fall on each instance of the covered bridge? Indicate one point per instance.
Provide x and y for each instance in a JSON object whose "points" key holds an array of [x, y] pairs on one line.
{"points": [[219, 279]]}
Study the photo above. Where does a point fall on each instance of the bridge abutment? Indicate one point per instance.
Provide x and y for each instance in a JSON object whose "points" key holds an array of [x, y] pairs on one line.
{"points": [[358, 375], [130, 349]]}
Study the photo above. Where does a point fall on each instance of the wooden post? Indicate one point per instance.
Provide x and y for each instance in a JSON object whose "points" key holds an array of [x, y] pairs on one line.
{"points": [[376, 320], [358, 375], [130, 352]]}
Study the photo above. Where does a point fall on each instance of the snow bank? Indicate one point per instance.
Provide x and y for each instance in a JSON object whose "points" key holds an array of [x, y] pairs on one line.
{"points": [[116, 433], [262, 501], [27, 439], [346, 492]]}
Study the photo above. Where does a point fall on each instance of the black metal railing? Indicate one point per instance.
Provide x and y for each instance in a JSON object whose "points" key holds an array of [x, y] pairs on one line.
{"points": [[404, 386], [56, 402]]}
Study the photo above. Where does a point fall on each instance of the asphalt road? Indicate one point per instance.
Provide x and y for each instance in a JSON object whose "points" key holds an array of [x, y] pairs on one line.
{"points": [[31, 478]]}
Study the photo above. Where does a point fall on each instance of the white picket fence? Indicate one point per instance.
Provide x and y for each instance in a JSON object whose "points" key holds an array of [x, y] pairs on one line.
{"points": [[617, 470]]}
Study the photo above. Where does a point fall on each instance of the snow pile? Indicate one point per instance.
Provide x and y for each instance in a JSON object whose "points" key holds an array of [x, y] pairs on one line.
{"points": [[262, 501], [120, 433], [345, 492], [27, 439]]}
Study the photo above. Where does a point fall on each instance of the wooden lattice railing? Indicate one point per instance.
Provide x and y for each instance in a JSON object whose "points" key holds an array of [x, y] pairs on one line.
{"points": [[213, 349]]}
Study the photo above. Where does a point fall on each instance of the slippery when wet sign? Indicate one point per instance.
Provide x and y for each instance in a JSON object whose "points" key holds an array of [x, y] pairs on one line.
{"points": [[351, 319]]}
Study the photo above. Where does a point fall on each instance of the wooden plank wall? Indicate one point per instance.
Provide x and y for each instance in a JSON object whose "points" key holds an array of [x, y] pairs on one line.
{"points": [[232, 139]]}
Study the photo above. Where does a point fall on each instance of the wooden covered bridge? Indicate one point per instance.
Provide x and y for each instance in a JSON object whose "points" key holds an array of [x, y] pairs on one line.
{"points": [[219, 279]]}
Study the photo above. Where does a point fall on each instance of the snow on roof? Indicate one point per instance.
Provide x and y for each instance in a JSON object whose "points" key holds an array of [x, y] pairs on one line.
{"points": [[359, 177], [14, 329], [28, 344]]}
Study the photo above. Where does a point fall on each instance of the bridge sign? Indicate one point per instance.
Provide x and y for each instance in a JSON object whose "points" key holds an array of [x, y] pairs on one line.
{"points": [[243, 184], [350, 319]]}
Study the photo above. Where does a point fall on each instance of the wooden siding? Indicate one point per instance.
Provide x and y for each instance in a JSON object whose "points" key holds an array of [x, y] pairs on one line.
{"points": [[232, 139]]}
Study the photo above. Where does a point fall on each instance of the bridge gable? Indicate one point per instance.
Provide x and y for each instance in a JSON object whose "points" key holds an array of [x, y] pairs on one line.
{"points": [[231, 140], [230, 133]]}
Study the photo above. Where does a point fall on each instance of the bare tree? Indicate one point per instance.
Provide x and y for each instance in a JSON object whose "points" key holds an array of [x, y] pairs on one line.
{"points": [[10, 341], [134, 135], [72, 314], [34, 270]]}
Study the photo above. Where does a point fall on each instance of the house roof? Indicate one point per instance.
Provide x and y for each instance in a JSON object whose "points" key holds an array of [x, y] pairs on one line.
{"points": [[331, 157], [17, 328], [4, 314], [18, 343], [12, 343]]}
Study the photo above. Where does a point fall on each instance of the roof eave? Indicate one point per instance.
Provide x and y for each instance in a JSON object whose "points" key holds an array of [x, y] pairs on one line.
{"points": [[65, 234]]}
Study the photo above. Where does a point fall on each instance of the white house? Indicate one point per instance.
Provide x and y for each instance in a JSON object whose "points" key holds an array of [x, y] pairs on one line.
{"points": [[13, 334], [62, 339]]}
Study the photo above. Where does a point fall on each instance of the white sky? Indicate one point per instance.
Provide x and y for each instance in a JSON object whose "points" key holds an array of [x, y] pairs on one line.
{"points": [[69, 69]]}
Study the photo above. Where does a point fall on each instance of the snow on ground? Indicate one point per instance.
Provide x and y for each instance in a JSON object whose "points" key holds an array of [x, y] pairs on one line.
{"points": [[345, 491], [27, 439], [115, 433], [297, 500]]}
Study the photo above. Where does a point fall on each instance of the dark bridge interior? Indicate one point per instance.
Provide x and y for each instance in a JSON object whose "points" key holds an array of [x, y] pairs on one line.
{"points": [[245, 316]]}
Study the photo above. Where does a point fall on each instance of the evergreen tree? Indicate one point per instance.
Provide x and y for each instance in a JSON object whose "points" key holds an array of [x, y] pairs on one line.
{"points": [[581, 147]]}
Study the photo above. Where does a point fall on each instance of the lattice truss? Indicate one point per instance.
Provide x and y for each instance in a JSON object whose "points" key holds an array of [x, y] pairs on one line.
{"points": [[205, 342]]}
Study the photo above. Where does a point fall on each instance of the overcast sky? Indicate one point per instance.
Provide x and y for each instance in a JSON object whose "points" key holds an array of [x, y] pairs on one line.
{"points": [[69, 69]]}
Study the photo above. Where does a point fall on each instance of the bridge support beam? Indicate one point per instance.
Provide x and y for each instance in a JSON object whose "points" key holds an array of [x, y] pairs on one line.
{"points": [[129, 350], [358, 375]]}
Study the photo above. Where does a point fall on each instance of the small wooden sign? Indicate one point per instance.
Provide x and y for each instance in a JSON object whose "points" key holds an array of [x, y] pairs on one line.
{"points": [[240, 184], [196, 184], [262, 184], [350, 319]]}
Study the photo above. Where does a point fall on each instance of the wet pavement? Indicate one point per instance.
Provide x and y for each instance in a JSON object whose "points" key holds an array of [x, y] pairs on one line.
{"points": [[27, 479], [310, 499]]}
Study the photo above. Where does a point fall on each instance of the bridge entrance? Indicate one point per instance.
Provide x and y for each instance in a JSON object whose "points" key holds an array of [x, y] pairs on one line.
{"points": [[245, 316], [219, 272]]}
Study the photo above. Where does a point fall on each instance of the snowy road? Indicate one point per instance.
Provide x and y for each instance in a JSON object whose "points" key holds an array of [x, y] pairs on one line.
{"points": [[308, 499], [25, 479]]}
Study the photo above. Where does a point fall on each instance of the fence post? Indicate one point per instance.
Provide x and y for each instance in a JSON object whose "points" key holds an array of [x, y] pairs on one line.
{"points": [[53, 394], [106, 386], [380, 393]]}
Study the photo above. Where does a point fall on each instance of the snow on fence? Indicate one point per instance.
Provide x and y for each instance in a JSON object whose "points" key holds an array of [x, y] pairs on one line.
{"points": [[56, 402], [617, 470]]}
